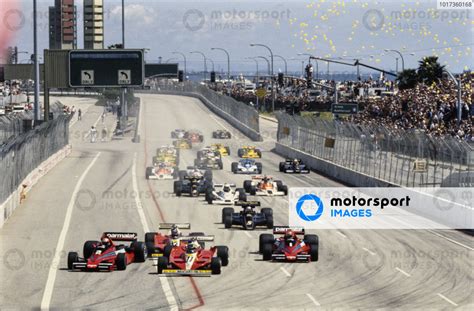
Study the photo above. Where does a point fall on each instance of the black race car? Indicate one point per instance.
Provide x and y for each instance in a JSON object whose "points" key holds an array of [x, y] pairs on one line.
{"points": [[248, 218], [194, 186], [294, 166], [221, 134]]}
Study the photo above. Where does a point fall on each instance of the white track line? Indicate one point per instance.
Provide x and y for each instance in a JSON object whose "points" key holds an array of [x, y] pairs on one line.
{"points": [[313, 300], [447, 299], [288, 274], [163, 280], [341, 234], [53, 269], [403, 272], [452, 241], [368, 251], [248, 234]]}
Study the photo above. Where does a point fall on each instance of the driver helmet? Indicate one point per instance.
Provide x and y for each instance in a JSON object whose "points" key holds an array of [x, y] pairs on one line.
{"points": [[192, 246], [226, 188], [174, 232], [296, 161], [289, 237], [105, 241]]}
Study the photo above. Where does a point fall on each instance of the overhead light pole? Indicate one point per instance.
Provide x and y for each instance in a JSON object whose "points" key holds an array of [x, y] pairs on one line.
{"points": [[228, 61], [284, 60], [205, 62], [37, 108], [184, 57], [273, 84]]}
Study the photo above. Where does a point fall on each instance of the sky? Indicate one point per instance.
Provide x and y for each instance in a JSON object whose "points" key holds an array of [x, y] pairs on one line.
{"points": [[325, 28]]}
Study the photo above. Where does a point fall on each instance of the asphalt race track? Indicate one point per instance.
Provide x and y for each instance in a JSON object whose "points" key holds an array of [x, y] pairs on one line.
{"points": [[95, 190]]}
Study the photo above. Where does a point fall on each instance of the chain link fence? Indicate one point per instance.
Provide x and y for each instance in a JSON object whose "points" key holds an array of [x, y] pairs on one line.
{"points": [[405, 158], [245, 114], [21, 154]]}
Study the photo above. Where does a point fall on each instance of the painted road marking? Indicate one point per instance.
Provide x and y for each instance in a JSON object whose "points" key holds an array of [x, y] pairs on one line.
{"points": [[403, 272], [313, 300], [447, 299], [341, 234], [288, 274], [368, 251], [248, 234], [48, 289], [164, 281], [453, 241]]}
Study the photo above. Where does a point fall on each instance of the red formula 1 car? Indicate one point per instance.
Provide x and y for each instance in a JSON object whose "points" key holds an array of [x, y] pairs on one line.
{"points": [[289, 247], [107, 255], [159, 244], [194, 136], [193, 259]]}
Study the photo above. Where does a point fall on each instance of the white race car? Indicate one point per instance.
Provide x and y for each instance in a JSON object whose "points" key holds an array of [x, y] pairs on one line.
{"points": [[225, 194], [265, 186], [247, 166]]}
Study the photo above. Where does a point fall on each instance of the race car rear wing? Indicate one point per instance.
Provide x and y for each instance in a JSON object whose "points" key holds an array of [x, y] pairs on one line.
{"points": [[121, 236], [208, 238], [164, 226], [284, 229], [247, 203], [222, 185]]}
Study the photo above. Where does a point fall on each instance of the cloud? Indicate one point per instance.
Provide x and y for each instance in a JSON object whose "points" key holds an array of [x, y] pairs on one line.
{"points": [[136, 13]]}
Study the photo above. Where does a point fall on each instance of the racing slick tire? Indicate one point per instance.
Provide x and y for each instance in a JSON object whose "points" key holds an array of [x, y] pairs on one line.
{"points": [[227, 211], [208, 175], [282, 166], [223, 254], [240, 152], [148, 172], [201, 138], [259, 153], [228, 222], [265, 238], [267, 250], [209, 196], [269, 221], [71, 258], [220, 164], [177, 188], [242, 194], [216, 265], [167, 250], [150, 237], [311, 239], [140, 251], [247, 185], [214, 135], [88, 248], [314, 252], [150, 247], [279, 184], [234, 167], [181, 175], [259, 168], [253, 190], [162, 264], [267, 211], [228, 150], [196, 162], [121, 261], [284, 188]]}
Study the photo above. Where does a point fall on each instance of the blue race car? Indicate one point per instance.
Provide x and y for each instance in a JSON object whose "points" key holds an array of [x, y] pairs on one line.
{"points": [[247, 166], [248, 218]]}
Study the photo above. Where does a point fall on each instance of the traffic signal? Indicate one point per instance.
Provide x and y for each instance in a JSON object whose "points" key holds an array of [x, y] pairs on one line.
{"points": [[180, 75], [280, 79], [213, 77]]}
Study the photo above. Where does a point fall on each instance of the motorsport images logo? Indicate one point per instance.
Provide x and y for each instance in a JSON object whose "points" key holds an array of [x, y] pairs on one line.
{"points": [[378, 208]]}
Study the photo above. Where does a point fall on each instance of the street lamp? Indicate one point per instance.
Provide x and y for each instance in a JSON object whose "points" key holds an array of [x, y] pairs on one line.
{"points": [[228, 61], [205, 62], [268, 62], [212, 62], [286, 64], [184, 57], [271, 56], [401, 55], [170, 59]]}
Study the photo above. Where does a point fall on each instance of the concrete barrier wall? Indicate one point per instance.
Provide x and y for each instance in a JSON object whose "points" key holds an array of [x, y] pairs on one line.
{"points": [[244, 129], [14, 200]]}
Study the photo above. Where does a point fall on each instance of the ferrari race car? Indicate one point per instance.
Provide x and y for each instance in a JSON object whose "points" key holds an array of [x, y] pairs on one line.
{"points": [[209, 160], [106, 255], [178, 133], [246, 166], [289, 247], [221, 134], [194, 186], [248, 218], [159, 244], [183, 143], [193, 259], [294, 166], [265, 185], [194, 136], [225, 194], [223, 150]]}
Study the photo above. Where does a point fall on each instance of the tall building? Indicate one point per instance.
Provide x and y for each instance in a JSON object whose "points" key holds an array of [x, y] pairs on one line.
{"points": [[93, 24], [63, 25]]}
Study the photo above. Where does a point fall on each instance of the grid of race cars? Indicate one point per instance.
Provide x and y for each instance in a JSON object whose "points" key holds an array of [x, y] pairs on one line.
{"points": [[178, 253]]}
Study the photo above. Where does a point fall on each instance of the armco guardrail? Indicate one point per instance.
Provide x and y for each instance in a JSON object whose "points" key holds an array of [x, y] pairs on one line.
{"points": [[22, 154], [239, 115], [376, 154]]}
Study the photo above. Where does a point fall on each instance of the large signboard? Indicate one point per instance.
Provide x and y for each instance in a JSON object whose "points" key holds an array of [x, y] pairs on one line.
{"points": [[344, 108], [106, 68], [161, 70]]}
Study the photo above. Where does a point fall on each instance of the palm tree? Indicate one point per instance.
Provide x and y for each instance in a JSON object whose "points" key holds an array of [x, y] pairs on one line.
{"points": [[430, 70], [407, 79]]}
